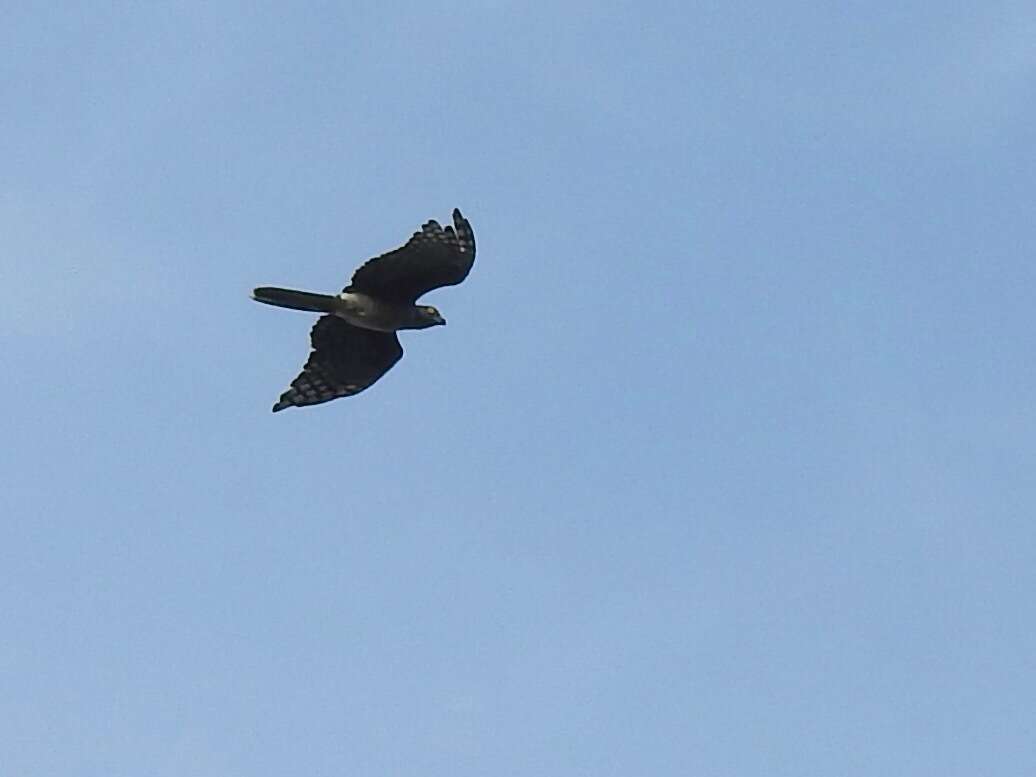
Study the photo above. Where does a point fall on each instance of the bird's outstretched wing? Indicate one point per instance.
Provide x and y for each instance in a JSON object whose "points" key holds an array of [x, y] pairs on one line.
{"points": [[432, 258], [345, 360]]}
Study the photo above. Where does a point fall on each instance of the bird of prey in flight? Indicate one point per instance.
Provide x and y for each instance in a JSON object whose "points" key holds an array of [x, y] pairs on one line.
{"points": [[355, 343]]}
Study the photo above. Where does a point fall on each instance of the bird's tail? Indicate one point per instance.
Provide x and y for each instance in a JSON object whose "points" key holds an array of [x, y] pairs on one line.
{"points": [[296, 300]]}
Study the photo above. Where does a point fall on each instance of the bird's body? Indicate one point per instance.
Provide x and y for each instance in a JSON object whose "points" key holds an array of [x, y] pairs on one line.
{"points": [[366, 312], [355, 343], [354, 307]]}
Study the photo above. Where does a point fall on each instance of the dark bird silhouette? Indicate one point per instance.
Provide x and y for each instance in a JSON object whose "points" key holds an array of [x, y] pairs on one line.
{"points": [[355, 343]]}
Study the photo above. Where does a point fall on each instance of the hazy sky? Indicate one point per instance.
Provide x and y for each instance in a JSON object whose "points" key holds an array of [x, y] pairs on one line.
{"points": [[724, 465]]}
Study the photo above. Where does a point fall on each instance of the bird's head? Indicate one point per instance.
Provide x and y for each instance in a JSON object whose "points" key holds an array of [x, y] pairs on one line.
{"points": [[432, 316]]}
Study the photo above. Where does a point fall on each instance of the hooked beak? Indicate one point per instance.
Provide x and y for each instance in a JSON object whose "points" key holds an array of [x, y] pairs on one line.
{"points": [[440, 321]]}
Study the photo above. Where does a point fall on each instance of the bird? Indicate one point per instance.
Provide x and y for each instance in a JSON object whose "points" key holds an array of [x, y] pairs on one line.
{"points": [[354, 343]]}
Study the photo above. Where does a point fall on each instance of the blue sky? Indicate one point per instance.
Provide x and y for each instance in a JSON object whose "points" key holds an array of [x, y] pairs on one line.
{"points": [[723, 465]]}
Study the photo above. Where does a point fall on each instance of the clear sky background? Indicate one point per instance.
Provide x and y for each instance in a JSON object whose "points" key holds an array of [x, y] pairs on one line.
{"points": [[725, 464]]}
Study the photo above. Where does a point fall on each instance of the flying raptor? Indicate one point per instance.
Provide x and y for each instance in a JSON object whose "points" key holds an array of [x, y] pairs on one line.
{"points": [[355, 343]]}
